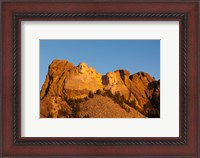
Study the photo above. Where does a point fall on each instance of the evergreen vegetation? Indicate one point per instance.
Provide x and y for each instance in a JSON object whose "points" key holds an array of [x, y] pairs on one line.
{"points": [[148, 110], [91, 94]]}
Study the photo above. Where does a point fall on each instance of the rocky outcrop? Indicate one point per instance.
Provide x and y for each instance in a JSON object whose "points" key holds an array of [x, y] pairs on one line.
{"points": [[58, 71], [66, 82], [114, 82], [80, 81]]}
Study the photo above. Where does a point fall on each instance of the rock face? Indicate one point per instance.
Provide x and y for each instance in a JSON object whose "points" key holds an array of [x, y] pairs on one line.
{"points": [[80, 81], [58, 71], [67, 87]]}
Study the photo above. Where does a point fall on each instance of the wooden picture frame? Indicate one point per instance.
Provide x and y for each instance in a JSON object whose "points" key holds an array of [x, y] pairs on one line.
{"points": [[187, 144]]}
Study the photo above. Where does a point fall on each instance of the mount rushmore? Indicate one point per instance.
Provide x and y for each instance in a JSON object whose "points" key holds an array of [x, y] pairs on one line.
{"points": [[71, 91]]}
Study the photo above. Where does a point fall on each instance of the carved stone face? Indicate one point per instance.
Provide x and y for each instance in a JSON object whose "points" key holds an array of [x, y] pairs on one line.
{"points": [[92, 71], [82, 68], [99, 78], [98, 75], [111, 78]]}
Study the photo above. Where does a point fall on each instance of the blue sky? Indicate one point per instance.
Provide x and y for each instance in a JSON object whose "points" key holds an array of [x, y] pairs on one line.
{"points": [[103, 55]]}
